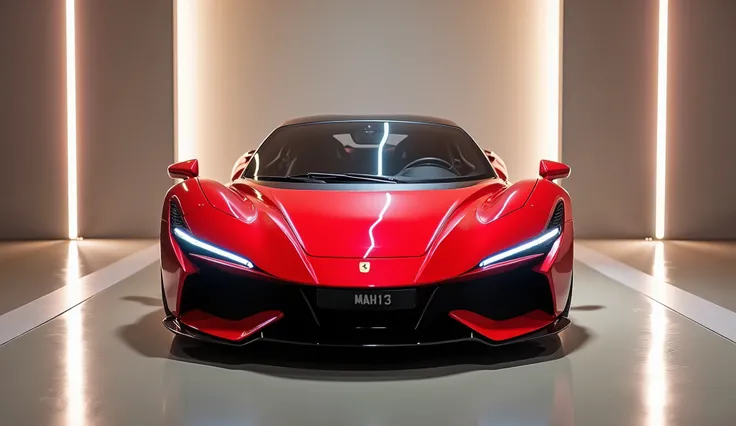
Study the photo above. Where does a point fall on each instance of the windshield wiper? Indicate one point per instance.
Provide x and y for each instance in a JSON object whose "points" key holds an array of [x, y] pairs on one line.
{"points": [[334, 177], [318, 177], [376, 177], [294, 178], [350, 176]]}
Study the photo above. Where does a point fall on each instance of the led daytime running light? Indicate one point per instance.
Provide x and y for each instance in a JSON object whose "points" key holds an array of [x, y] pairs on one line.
{"points": [[547, 236], [180, 233]]}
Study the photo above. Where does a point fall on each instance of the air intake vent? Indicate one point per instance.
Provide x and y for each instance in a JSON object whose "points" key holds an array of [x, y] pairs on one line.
{"points": [[557, 216], [176, 218]]}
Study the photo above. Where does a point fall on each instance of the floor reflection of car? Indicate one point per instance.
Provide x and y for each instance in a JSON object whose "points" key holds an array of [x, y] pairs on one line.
{"points": [[525, 384]]}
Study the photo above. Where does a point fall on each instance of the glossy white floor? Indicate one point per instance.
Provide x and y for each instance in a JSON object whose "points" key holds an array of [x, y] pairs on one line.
{"points": [[626, 360]]}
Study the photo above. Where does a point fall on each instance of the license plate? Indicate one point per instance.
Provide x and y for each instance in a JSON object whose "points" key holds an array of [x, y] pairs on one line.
{"points": [[349, 299]]}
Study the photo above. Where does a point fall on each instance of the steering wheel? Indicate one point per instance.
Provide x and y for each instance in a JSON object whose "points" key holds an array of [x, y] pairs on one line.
{"points": [[429, 161]]}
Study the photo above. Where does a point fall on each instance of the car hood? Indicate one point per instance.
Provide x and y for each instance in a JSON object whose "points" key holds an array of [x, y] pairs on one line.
{"points": [[372, 224]]}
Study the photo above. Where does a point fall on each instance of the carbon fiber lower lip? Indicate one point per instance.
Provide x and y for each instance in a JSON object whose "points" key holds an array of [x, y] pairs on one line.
{"points": [[173, 325]]}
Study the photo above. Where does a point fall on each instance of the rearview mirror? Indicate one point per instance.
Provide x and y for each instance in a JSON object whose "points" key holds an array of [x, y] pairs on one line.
{"points": [[552, 170], [184, 170]]}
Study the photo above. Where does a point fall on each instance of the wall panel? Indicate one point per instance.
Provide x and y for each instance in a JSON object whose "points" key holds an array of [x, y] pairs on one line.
{"points": [[33, 120], [480, 63], [609, 115], [126, 122], [701, 199]]}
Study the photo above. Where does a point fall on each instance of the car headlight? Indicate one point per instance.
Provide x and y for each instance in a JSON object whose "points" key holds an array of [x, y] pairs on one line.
{"points": [[186, 237], [521, 249]]}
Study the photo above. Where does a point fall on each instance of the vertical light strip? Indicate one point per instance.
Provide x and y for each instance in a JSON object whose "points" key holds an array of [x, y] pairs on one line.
{"points": [[185, 69], [550, 52], [661, 120], [560, 43], [71, 120]]}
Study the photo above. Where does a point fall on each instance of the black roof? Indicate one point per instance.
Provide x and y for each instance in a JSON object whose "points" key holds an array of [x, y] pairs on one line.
{"points": [[369, 117]]}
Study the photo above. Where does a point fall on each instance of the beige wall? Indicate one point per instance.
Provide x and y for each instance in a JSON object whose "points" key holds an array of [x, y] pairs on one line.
{"points": [[125, 117], [480, 63], [125, 108], [609, 115], [260, 62], [701, 196], [32, 120]]}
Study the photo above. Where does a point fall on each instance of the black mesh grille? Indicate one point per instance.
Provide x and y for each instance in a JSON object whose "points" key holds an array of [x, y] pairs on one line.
{"points": [[557, 216], [233, 297], [176, 218], [498, 297]]}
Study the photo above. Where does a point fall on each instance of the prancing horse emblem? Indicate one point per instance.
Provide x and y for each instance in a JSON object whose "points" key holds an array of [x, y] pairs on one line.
{"points": [[364, 267]]}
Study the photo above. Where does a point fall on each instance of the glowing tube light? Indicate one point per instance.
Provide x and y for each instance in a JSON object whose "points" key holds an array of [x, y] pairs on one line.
{"points": [[185, 69], [550, 51], [71, 120], [661, 121]]}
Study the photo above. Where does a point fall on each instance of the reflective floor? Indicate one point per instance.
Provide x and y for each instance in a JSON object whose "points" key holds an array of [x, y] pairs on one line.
{"points": [[31, 269], [626, 360], [704, 268]]}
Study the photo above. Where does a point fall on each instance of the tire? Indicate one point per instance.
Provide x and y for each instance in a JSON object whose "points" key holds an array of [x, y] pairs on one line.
{"points": [[167, 311], [566, 312]]}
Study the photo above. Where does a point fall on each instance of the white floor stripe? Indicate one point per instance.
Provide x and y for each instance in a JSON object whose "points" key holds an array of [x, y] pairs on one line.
{"points": [[708, 314], [33, 314]]}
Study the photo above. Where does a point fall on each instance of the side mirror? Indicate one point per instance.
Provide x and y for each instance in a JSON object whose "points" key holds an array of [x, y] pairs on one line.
{"points": [[552, 170], [184, 170]]}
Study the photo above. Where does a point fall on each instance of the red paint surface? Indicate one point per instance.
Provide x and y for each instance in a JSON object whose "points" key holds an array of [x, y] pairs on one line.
{"points": [[234, 331], [371, 224], [503, 330], [319, 237]]}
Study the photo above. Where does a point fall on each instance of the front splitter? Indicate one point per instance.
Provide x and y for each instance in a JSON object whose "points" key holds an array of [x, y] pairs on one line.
{"points": [[176, 327]]}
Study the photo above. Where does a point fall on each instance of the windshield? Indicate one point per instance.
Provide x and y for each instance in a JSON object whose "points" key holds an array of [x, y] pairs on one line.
{"points": [[381, 151]]}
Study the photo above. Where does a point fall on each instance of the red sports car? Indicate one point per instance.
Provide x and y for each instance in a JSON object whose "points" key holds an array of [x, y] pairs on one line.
{"points": [[367, 231]]}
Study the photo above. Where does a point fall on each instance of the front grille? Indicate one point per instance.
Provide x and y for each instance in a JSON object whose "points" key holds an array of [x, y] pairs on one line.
{"points": [[234, 297], [176, 217], [557, 216], [498, 297]]}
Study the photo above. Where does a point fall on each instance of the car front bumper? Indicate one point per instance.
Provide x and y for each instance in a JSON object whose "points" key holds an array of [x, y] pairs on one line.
{"points": [[494, 310]]}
